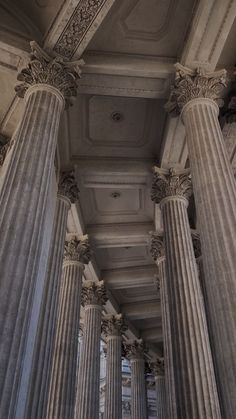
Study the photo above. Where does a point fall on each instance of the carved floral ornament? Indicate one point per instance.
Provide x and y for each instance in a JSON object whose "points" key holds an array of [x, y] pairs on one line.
{"points": [[67, 186], [52, 71], [157, 248], [77, 250], [135, 349], [158, 367], [113, 325], [93, 293], [77, 27], [170, 182], [192, 84]]}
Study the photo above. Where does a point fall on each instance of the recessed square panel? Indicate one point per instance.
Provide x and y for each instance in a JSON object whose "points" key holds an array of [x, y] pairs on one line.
{"points": [[117, 121], [118, 257], [116, 202]]}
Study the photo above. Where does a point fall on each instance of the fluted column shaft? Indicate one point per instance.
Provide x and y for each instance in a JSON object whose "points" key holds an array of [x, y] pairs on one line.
{"points": [[113, 396], [39, 385], [62, 385], [87, 401], [23, 204], [215, 198], [168, 355], [138, 389], [195, 386], [161, 397]]}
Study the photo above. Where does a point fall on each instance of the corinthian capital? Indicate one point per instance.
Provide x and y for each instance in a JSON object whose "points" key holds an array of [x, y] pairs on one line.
{"points": [[191, 84], [158, 367], [93, 293], [157, 248], [53, 71], [170, 182], [77, 250], [135, 349], [67, 186], [113, 325]]}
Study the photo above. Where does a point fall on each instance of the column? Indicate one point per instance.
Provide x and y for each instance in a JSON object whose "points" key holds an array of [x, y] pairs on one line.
{"points": [[87, 397], [112, 327], [46, 84], [61, 399], [157, 251], [195, 387], [135, 353], [197, 94], [159, 374], [42, 359]]}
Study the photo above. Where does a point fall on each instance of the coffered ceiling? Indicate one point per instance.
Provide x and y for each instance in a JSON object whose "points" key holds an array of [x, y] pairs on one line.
{"points": [[117, 127]]}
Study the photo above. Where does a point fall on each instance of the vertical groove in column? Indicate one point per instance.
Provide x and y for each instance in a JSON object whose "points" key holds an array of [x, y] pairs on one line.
{"points": [[113, 396], [87, 404], [23, 203], [138, 390], [41, 365], [61, 398], [195, 386], [168, 355], [161, 397], [215, 197]]}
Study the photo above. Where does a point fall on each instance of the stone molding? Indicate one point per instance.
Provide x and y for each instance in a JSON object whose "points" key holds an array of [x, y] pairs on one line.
{"points": [[113, 325], [192, 84], [157, 248], [135, 349], [47, 70], [93, 293], [170, 183], [158, 367], [77, 250], [67, 186], [78, 25]]}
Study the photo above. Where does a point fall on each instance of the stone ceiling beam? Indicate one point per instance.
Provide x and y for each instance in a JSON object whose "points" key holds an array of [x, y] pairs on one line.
{"points": [[75, 26], [147, 310], [152, 335], [129, 277], [120, 235], [210, 28]]}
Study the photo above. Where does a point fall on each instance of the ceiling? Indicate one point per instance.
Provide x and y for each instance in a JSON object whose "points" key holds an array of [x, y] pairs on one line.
{"points": [[117, 127]]}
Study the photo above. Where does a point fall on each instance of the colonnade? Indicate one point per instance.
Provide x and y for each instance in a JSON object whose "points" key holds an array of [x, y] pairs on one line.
{"points": [[199, 332]]}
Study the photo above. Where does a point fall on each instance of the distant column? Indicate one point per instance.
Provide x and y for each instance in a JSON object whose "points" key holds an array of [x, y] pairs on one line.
{"points": [[135, 353], [159, 374], [157, 251], [112, 327], [196, 95], [61, 399], [195, 386], [87, 397]]}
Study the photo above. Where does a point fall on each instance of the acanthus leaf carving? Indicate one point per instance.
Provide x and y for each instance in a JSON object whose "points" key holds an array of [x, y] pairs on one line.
{"points": [[77, 250], [93, 293], [191, 84], [113, 325], [76, 28], [67, 186], [158, 367], [52, 71], [135, 349], [157, 248], [170, 182]]}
